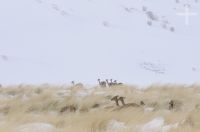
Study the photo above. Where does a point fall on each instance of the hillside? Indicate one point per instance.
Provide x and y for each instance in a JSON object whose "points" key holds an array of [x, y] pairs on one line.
{"points": [[135, 41]]}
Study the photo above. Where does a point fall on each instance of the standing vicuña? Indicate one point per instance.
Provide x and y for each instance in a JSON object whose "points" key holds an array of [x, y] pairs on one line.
{"points": [[102, 83], [128, 104], [115, 98]]}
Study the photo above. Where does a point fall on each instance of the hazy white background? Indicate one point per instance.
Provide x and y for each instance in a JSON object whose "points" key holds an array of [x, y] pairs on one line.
{"points": [[56, 41]]}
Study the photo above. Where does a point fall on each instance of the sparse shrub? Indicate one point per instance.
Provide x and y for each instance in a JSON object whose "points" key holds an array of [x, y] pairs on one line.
{"points": [[38, 91], [172, 29], [95, 106], [149, 23]]}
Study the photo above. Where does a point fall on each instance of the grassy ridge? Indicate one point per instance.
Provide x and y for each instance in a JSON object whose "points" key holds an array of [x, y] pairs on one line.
{"points": [[25, 104]]}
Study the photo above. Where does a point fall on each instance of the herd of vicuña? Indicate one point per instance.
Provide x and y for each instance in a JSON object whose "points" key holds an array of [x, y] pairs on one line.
{"points": [[108, 83]]}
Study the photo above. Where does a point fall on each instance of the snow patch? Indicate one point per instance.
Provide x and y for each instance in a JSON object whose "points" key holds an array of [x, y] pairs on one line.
{"points": [[157, 125], [167, 128], [37, 127], [82, 93], [6, 97], [115, 125], [149, 109], [153, 126]]}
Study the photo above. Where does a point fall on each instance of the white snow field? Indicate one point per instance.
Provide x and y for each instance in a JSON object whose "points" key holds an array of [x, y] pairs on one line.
{"points": [[134, 41]]}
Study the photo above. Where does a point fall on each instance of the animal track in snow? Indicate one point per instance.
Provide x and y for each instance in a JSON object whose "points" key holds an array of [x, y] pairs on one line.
{"points": [[153, 67]]}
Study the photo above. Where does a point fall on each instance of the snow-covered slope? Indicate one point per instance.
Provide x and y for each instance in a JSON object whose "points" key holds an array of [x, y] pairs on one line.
{"points": [[134, 41]]}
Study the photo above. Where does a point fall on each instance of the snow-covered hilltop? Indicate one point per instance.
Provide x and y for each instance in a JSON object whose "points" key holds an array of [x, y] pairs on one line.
{"points": [[136, 41]]}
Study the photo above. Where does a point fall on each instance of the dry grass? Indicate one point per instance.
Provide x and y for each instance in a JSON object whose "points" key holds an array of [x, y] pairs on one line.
{"points": [[23, 104]]}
